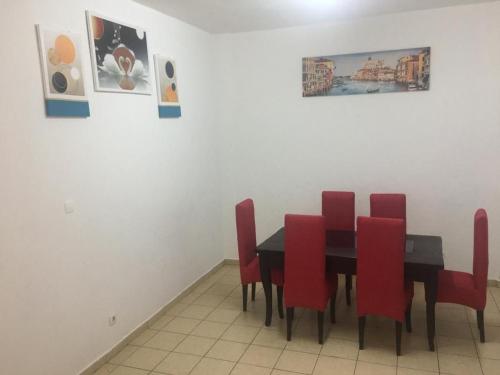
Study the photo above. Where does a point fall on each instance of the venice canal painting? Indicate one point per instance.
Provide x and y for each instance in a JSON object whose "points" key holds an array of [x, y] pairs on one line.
{"points": [[367, 73]]}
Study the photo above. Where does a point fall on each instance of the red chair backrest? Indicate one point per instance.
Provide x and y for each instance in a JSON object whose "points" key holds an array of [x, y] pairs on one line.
{"points": [[380, 267], [245, 229], [338, 209], [480, 265], [304, 258], [389, 206]]}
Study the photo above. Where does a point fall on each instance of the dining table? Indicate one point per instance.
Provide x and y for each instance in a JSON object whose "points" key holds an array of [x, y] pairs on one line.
{"points": [[422, 262]]}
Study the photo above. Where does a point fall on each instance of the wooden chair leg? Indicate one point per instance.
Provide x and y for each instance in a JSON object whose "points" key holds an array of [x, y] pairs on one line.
{"points": [[480, 324], [348, 288], [253, 291], [408, 318], [399, 327], [361, 331], [332, 308], [245, 296], [289, 319], [321, 318], [279, 292]]}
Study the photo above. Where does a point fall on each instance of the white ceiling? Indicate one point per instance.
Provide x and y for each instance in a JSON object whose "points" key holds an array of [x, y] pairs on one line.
{"points": [[230, 16]]}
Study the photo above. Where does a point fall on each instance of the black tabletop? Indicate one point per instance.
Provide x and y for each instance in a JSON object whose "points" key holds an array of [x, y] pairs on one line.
{"points": [[420, 249]]}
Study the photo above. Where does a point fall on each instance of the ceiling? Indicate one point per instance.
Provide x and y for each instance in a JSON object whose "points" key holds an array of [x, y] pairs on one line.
{"points": [[231, 16]]}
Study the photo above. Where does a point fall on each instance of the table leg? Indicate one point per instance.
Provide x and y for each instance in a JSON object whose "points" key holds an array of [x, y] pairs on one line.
{"points": [[265, 275], [430, 299]]}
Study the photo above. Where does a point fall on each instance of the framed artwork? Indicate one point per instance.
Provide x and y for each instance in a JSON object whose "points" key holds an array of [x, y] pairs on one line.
{"points": [[62, 73], [119, 56], [367, 73], [167, 88]]}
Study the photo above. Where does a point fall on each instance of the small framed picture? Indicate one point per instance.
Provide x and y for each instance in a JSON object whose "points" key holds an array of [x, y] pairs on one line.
{"points": [[167, 87]]}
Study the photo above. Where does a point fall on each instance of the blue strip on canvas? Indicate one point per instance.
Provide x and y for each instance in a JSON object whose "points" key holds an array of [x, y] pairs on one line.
{"points": [[67, 108], [169, 111]]}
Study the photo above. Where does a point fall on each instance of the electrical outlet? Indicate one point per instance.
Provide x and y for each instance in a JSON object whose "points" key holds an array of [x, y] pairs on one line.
{"points": [[112, 320]]}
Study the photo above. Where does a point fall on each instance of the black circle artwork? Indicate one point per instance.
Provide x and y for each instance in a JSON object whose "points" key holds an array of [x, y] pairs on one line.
{"points": [[173, 87], [59, 82], [169, 69]]}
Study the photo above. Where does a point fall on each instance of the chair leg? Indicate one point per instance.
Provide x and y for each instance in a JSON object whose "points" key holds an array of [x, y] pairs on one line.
{"points": [[399, 327], [348, 287], [321, 318], [279, 292], [332, 308], [361, 331], [253, 291], [408, 318], [480, 324], [245, 296], [289, 319]]}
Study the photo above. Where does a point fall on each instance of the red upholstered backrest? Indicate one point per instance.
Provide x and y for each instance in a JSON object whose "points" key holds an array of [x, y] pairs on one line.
{"points": [[338, 209], [245, 229], [389, 206], [304, 257], [380, 267], [480, 266]]}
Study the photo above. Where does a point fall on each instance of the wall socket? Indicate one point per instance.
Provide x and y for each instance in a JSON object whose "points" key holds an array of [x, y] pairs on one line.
{"points": [[112, 320]]}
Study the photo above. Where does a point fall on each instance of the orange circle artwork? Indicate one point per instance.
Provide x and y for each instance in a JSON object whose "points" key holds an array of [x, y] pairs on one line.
{"points": [[97, 27], [65, 49], [170, 95]]}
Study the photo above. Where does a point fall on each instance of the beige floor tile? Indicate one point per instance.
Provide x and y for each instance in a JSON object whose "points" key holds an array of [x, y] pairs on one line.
{"points": [[213, 367], [261, 356], [381, 355], [490, 366], [250, 318], [365, 368], [488, 349], [232, 303], [244, 334], [297, 362], [227, 350], [453, 329], [162, 321], [345, 331], [167, 341], [458, 365], [121, 370], [144, 337], [123, 354], [490, 318], [195, 312], [229, 279], [244, 369], [189, 298], [221, 289], [145, 358], [340, 348], [195, 345], [492, 334], [223, 315], [450, 345], [181, 325], [330, 365], [419, 360], [451, 313], [412, 341], [282, 372], [305, 344], [210, 300], [210, 329], [178, 364], [176, 309], [105, 370], [270, 337], [410, 371]]}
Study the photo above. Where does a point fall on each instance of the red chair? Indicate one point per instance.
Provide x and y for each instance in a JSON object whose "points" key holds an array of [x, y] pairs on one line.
{"points": [[338, 209], [307, 284], [249, 261], [470, 289], [389, 206], [380, 280]]}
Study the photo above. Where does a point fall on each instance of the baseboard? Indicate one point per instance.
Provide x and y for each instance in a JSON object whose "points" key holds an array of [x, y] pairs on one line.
{"points": [[96, 365], [232, 262], [494, 283]]}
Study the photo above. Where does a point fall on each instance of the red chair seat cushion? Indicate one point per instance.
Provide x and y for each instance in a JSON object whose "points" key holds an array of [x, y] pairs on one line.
{"points": [[458, 287]]}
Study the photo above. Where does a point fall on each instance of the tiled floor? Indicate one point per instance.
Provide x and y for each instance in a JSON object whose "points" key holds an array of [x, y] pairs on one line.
{"points": [[207, 333]]}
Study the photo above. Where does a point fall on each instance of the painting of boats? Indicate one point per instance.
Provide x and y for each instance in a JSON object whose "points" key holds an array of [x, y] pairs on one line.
{"points": [[401, 70]]}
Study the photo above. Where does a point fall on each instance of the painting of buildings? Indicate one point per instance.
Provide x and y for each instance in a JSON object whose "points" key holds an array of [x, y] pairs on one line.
{"points": [[367, 73]]}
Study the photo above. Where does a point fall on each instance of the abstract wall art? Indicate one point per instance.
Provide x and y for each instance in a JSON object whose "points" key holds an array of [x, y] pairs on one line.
{"points": [[119, 56], [367, 73], [166, 84], [62, 73]]}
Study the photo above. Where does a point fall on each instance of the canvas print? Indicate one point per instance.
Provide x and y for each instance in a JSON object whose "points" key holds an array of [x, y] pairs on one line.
{"points": [[62, 73], [367, 73], [167, 88], [119, 56]]}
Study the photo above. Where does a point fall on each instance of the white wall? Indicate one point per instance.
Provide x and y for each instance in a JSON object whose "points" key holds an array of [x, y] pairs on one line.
{"points": [[145, 191], [440, 147]]}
